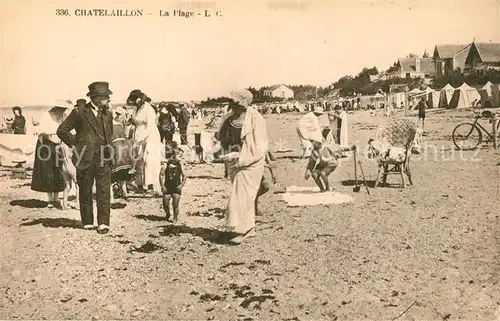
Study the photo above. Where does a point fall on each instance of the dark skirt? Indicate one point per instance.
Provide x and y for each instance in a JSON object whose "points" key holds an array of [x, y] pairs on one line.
{"points": [[47, 170], [123, 159], [167, 136]]}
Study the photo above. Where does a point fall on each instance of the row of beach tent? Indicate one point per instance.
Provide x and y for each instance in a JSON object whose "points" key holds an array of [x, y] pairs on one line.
{"points": [[461, 97]]}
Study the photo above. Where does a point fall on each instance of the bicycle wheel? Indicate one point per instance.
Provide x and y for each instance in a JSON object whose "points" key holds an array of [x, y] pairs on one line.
{"points": [[467, 136]]}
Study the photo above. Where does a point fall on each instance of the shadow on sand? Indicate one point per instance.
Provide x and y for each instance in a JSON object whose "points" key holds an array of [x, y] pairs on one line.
{"points": [[152, 218], [207, 234], [217, 212], [29, 203], [204, 177], [117, 205], [371, 183], [55, 223], [292, 157], [21, 185]]}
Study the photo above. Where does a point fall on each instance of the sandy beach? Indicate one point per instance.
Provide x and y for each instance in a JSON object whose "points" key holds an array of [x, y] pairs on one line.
{"points": [[428, 252]]}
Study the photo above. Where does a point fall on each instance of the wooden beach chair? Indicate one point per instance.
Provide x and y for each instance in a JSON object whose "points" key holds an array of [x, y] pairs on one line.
{"points": [[392, 149]]}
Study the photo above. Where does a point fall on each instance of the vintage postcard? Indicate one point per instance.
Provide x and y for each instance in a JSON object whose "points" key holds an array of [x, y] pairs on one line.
{"points": [[249, 160]]}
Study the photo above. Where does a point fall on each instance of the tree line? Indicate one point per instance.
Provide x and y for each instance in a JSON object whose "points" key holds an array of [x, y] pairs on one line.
{"points": [[301, 93], [349, 85]]}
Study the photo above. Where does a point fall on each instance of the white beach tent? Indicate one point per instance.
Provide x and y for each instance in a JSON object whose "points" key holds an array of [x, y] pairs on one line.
{"points": [[431, 97], [464, 96], [445, 95], [378, 99], [396, 98], [472, 92], [487, 87]]}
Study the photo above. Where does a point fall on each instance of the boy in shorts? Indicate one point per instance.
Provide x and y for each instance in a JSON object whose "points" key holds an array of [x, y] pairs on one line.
{"points": [[172, 180]]}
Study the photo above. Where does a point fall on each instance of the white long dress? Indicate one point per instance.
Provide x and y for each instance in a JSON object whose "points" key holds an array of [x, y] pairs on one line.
{"points": [[338, 125], [344, 129], [147, 132]]}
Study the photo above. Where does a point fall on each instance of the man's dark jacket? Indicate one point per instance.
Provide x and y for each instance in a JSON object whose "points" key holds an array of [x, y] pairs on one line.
{"points": [[91, 135], [183, 118]]}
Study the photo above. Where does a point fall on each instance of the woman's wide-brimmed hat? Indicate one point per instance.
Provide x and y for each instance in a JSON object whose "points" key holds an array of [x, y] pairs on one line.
{"points": [[242, 97], [134, 94], [18, 109], [99, 88]]}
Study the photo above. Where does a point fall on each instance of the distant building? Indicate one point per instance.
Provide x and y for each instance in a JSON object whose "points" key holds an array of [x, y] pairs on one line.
{"points": [[447, 58], [279, 91], [483, 56], [413, 68]]}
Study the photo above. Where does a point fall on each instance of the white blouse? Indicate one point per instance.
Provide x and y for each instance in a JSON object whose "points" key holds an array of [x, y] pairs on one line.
{"points": [[145, 121], [48, 127]]}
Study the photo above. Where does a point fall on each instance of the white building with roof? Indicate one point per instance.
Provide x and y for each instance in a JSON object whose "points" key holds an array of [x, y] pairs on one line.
{"points": [[279, 91]]}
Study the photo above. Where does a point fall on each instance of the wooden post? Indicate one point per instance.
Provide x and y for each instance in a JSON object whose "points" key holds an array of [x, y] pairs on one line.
{"points": [[495, 134]]}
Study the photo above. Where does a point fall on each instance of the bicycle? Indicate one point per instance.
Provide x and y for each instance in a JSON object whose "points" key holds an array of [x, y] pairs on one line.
{"points": [[473, 132]]}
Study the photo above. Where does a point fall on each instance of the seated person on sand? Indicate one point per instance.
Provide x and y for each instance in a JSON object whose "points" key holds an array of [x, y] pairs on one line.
{"points": [[324, 159]]}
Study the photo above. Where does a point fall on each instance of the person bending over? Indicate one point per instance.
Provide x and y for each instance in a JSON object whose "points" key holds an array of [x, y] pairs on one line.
{"points": [[324, 160]]}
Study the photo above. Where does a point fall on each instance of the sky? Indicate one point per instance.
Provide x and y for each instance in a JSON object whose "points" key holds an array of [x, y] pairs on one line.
{"points": [[45, 57]]}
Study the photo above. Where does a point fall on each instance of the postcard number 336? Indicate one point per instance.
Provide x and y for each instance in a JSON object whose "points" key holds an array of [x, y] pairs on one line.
{"points": [[62, 12]]}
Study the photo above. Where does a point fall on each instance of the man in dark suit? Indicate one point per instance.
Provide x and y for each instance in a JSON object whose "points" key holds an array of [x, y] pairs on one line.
{"points": [[182, 123], [92, 153], [81, 102]]}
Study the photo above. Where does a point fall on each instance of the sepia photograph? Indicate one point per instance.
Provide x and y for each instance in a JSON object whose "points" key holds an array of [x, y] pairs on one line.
{"points": [[250, 160]]}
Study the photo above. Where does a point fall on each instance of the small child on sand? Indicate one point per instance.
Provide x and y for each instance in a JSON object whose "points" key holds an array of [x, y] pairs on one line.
{"points": [[323, 161], [172, 180]]}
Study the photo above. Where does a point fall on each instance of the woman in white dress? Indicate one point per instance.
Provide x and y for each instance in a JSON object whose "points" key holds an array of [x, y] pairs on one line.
{"points": [[147, 136]]}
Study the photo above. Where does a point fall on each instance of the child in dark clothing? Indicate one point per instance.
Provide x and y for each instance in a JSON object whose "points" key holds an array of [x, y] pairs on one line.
{"points": [[172, 180], [421, 111]]}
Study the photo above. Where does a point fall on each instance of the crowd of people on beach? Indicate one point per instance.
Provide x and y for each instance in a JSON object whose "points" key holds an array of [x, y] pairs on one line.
{"points": [[133, 147], [114, 146]]}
